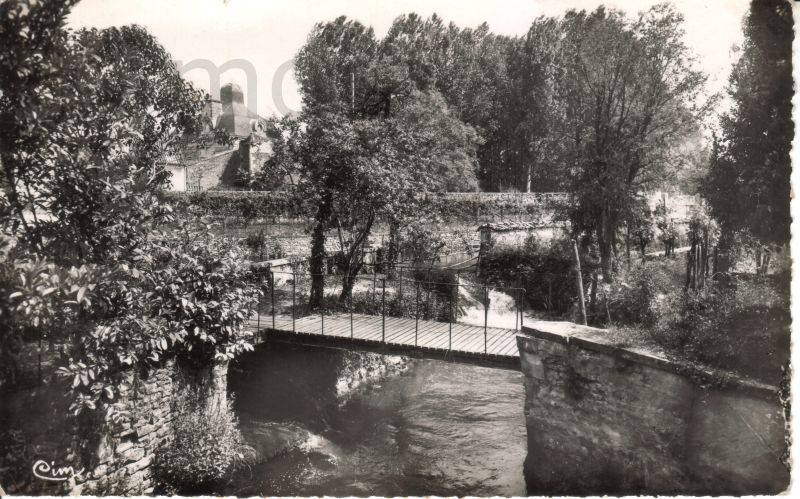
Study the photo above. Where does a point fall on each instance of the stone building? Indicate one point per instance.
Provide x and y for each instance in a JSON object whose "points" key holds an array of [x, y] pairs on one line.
{"points": [[203, 166]]}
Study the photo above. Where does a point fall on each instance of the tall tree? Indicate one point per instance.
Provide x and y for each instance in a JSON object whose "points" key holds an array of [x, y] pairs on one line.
{"points": [[748, 184], [467, 67], [531, 109], [331, 68], [631, 95]]}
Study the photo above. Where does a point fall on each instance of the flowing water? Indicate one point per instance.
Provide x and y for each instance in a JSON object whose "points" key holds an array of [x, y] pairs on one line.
{"points": [[434, 428], [502, 309]]}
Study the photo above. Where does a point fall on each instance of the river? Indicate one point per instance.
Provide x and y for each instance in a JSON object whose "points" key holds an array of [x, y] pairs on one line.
{"points": [[434, 428]]}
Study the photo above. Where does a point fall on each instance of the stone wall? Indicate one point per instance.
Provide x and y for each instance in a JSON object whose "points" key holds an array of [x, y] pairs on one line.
{"points": [[213, 172], [116, 458], [608, 420], [122, 461], [125, 453]]}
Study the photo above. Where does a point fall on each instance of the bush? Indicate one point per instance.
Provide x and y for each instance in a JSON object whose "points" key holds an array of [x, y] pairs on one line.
{"points": [[544, 269], [742, 325], [632, 298], [206, 448], [450, 207]]}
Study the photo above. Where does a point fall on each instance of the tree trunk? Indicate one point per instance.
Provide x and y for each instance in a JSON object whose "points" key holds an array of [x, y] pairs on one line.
{"points": [[317, 260], [723, 258], [605, 241], [593, 297], [348, 281], [628, 244], [528, 178], [765, 260], [689, 266], [353, 261], [392, 252]]}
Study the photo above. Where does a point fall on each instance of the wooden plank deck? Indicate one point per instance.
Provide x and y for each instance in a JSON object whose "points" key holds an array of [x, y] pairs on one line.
{"points": [[495, 343]]}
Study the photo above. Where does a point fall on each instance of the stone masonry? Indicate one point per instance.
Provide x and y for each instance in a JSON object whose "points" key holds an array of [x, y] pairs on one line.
{"points": [[608, 420], [121, 463]]}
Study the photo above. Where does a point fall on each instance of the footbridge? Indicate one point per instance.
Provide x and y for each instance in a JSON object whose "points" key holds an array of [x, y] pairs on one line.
{"points": [[444, 319]]}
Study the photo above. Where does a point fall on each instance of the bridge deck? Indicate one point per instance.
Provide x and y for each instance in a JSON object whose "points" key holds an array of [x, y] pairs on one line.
{"points": [[473, 341]]}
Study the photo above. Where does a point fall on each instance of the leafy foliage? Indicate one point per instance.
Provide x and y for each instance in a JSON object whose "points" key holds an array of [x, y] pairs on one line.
{"points": [[640, 228], [88, 135], [187, 296], [86, 120], [206, 447], [629, 89], [421, 242], [448, 207]]}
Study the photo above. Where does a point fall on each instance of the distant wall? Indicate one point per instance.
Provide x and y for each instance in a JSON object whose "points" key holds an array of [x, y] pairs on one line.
{"points": [[517, 238], [212, 172], [602, 419]]}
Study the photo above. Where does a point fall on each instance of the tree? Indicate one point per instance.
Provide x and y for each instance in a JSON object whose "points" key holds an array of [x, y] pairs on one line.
{"points": [[467, 67], [530, 112], [374, 137], [354, 173], [748, 184], [100, 111], [330, 67], [639, 226], [667, 230], [630, 94], [87, 119]]}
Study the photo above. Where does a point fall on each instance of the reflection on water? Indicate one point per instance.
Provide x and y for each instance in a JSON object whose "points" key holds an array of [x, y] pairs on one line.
{"points": [[437, 429]]}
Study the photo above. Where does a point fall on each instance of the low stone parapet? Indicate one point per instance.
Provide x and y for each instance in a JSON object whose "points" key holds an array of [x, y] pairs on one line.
{"points": [[617, 420]]}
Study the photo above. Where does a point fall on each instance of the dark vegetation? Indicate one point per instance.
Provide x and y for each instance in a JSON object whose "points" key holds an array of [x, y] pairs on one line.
{"points": [[543, 269], [86, 120], [739, 322]]}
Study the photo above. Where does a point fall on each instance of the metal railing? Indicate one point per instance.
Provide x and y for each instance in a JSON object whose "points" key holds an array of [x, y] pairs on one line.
{"points": [[286, 294]]}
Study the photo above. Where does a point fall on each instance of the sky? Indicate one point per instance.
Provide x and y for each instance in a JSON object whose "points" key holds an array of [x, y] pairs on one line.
{"points": [[264, 35]]}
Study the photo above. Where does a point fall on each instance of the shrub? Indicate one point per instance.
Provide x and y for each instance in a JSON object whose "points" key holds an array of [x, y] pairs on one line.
{"points": [[742, 325], [544, 269], [206, 447], [631, 298], [256, 243], [450, 207]]}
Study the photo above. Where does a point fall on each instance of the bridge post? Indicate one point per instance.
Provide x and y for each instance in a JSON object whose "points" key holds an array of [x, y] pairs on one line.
{"points": [[383, 310], [450, 325], [374, 277], [485, 318], [416, 324], [294, 286], [322, 315], [401, 283], [272, 295], [350, 301]]}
